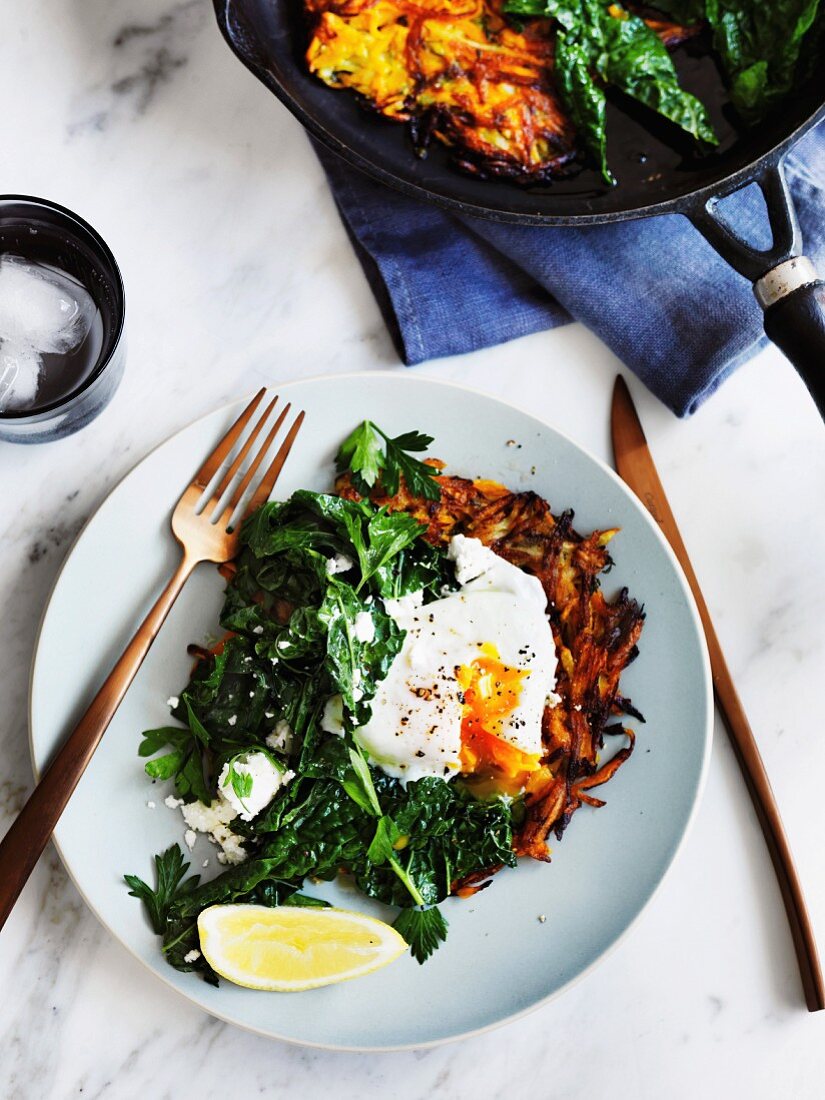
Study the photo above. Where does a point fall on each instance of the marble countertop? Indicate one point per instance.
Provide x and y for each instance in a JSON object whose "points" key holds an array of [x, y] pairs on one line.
{"points": [[237, 272]]}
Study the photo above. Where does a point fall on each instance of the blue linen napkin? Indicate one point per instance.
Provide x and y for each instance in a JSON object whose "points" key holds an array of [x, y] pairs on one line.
{"points": [[654, 291]]}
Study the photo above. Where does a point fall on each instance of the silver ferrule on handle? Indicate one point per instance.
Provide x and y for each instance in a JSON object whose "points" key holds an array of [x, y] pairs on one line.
{"points": [[783, 280]]}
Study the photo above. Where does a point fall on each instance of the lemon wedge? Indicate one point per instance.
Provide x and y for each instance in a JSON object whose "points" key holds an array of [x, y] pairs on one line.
{"points": [[289, 948]]}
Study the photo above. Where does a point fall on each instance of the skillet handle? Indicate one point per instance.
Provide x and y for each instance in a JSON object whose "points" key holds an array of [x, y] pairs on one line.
{"points": [[785, 283], [795, 320]]}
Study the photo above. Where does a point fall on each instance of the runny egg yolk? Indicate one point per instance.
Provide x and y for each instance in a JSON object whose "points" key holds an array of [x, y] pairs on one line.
{"points": [[491, 692]]}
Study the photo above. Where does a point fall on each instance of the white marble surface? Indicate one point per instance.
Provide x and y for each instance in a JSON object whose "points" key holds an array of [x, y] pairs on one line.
{"points": [[237, 271]]}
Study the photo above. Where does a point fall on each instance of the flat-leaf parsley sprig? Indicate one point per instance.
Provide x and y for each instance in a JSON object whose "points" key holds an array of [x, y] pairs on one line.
{"points": [[423, 929], [170, 869], [370, 454]]}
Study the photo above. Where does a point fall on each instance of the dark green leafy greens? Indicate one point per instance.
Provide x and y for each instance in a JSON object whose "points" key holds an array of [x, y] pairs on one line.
{"points": [[182, 762], [600, 44], [759, 43], [307, 569], [763, 46]]}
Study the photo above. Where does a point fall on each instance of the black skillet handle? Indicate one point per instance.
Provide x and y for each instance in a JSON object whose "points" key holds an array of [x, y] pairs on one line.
{"points": [[795, 322], [785, 283]]}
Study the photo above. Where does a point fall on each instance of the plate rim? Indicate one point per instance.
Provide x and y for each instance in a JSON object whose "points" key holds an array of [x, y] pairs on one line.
{"points": [[697, 798]]}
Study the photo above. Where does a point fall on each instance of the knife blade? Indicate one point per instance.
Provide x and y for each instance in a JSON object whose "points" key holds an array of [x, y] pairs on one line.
{"points": [[635, 466]]}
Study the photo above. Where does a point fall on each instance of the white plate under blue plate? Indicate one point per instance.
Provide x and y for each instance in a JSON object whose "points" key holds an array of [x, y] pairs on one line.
{"points": [[499, 960]]}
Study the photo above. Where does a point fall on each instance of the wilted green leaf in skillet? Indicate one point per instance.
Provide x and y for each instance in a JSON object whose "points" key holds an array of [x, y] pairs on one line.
{"points": [[638, 63], [598, 44], [584, 96], [759, 42]]}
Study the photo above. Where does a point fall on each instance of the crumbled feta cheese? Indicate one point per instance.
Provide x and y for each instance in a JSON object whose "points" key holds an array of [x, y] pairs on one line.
{"points": [[269, 714], [172, 702], [190, 836], [214, 821], [232, 720], [339, 564], [233, 850], [257, 629], [206, 819], [267, 780], [280, 739], [357, 695], [332, 720], [364, 627], [192, 956], [150, 805], [172, 802], [252, 695]]}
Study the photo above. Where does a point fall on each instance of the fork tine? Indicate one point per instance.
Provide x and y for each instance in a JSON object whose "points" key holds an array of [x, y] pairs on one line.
{"points": [[226, 481], [237, 496], [213, 463], [261, 494]]}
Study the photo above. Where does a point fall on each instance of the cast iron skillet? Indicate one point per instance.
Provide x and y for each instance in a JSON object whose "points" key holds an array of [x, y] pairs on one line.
{"points": [[658, 172]]}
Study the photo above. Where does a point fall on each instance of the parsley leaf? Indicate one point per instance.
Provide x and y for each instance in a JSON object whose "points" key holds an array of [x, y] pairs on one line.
{"points": [[382, 850], [170, 868], [420, 477], [241, 782], [195, 725], [184, 762], [361, 453], [423, 929], [238, 775], [359, 786], [370, 454], [387, 835]]}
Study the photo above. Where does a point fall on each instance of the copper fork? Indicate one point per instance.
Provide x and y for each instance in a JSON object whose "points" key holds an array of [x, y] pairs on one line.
{"points": [[204, 534]]}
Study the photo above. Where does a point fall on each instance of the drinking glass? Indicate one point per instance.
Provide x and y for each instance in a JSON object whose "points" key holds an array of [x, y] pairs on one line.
{"points": [[43, 233]]}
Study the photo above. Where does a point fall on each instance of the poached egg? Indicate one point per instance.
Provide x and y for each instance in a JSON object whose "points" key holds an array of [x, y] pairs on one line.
{"points": [[467, 691]]}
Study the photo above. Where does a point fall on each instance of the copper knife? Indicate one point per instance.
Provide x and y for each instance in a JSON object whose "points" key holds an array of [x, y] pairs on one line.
{"points": [[634, 465]]}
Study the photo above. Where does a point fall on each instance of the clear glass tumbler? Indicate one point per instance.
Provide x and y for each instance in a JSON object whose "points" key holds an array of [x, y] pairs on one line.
{"points": [[43, 233]]}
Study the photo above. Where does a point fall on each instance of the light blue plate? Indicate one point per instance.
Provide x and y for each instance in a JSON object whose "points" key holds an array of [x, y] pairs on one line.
{"points": [[500, 961]]}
